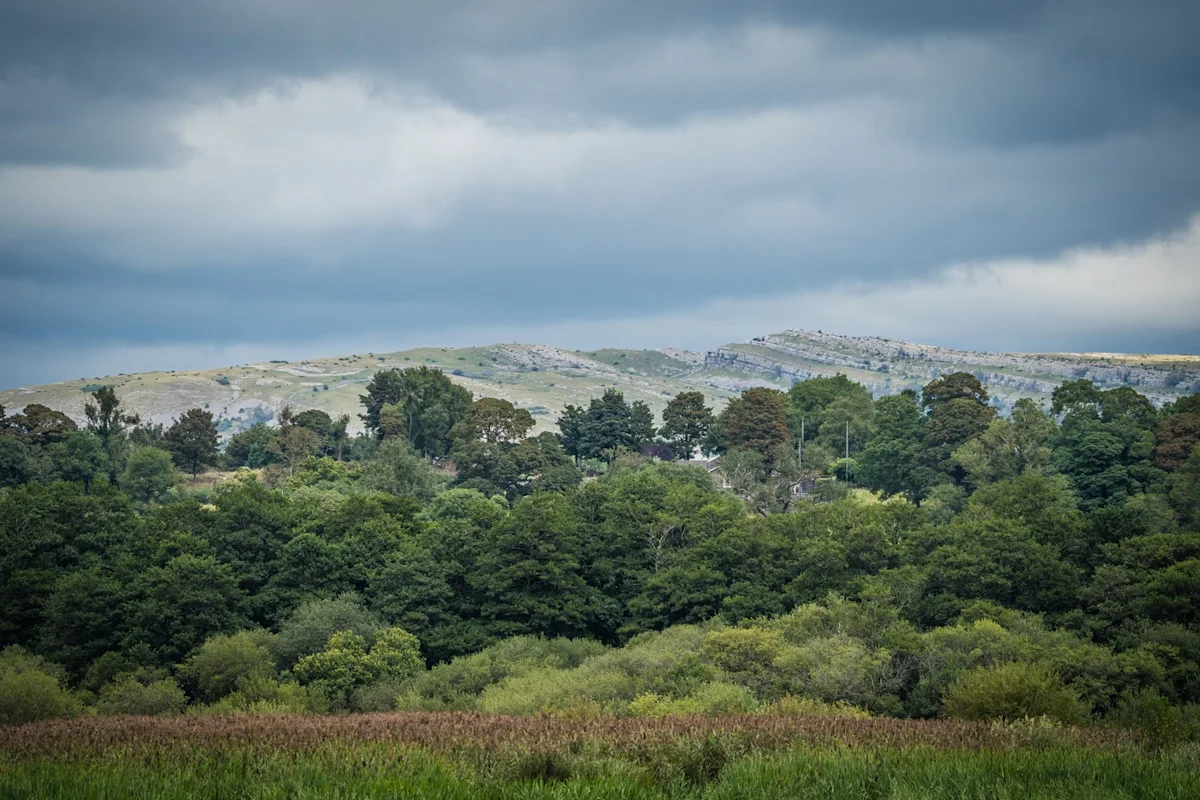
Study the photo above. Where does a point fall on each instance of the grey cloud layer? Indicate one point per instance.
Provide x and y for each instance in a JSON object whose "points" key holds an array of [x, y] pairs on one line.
{"points": [[213, 173]]}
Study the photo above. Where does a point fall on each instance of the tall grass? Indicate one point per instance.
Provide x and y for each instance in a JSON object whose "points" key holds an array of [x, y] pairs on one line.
{"points": [[374, 771]]}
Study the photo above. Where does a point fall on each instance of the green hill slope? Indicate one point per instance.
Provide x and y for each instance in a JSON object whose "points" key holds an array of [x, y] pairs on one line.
{"points": [[544, 379]]}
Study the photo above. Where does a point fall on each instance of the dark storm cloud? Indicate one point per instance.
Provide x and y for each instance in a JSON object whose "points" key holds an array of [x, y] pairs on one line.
{"points": [[222, 172], [1073, 68]]}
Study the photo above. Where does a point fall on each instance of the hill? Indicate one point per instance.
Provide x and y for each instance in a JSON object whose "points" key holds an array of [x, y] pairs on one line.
{"points": [[544, 379]]}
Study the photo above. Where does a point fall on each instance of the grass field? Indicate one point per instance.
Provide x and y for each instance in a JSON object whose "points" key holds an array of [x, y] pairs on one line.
{"points": [[473, 755]]}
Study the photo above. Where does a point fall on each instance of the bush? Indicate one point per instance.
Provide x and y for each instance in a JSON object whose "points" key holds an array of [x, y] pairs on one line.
{"points": [[746, 654], [457, 684], [345, 666], [1161, 724], [142, 693], [838, 668], [792, 706], [380, 696], [1012, 692], [308, 629], [711, 699], [584, 692], [263, 695], [30, 689], [224, 662]]}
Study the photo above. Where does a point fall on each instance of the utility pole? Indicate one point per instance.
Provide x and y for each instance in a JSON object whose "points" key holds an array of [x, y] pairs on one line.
{"points": [[847, 451], [800, 446]]}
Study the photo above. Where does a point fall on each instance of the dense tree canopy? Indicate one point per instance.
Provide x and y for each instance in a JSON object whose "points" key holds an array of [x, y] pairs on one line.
{"points": [[1053, 551]]}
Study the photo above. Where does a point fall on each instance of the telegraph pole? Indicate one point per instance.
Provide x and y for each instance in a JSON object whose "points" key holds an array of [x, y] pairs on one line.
{"points": [[800, 446], [847, 451]]}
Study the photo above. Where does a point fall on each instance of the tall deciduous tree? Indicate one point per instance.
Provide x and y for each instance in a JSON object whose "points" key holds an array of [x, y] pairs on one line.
{"points": [[193, 440], [148, 475], [529, 571], [1105, 443], [686, 421], [641, 425], [109, 421], [958, 412], [493, 420], [808, 401], [1007, 448], [431, 405], [80, 457], [756, 421], [296, 444], [339, 433], [1176, 437], [890, 462], [39, 425]]}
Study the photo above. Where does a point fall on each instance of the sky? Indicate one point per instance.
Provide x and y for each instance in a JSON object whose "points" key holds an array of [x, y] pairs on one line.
{"points": [[188, 185]]}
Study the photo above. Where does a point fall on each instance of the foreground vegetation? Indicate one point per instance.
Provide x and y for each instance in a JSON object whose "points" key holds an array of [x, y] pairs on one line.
{"points": [[455, 755]]}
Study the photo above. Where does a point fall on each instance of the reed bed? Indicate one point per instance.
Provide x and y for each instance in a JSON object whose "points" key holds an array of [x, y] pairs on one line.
{"points": [[449, 731]]}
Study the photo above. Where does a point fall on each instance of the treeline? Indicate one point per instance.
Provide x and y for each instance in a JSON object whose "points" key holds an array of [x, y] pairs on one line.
{"points": [[1060, 541]]}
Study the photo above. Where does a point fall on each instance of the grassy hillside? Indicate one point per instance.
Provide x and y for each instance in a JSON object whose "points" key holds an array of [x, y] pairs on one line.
{"points": [[544, 379], [538, 378]]}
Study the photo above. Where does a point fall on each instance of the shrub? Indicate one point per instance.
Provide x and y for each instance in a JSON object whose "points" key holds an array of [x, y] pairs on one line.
{"points": [[457, 684], [308, 629], [582, 691], [142, 693], [379, 696], [792, 706], [746, 654], [837, 668], [345, 666], [711, 699], [1012, 692], [263, 695], [224, 662], [1161, 724], [30, 689]]}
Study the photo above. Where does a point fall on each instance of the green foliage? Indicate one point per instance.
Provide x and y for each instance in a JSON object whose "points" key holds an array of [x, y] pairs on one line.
{"points": [[713, 699], [427, 406], [144, 693], [755, 421], [1008, 449], [686, 421], [149, 474], [254, 447], [226, 663], [176, 607], [808, 401], [192, 440], [311, 625], [399, 469], [31, 689], [345, 666], [1146, 710], [1008, 548], [529, 572], [16, 462], [494, 420], [1012, 692], [80, 457]]}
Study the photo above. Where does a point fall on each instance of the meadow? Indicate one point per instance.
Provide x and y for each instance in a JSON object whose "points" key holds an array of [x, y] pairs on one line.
{"points": [[450, 755]]}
